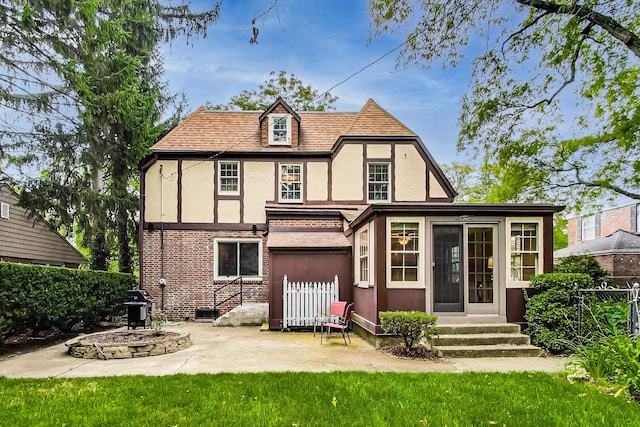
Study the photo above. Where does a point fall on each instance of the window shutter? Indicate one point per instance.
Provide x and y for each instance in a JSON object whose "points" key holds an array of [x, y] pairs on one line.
{"points": [[634, 219], [597, 226], [579, 228]]}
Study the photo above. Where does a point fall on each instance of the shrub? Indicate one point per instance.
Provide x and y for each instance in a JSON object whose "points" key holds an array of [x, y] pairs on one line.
{"points": [[411, 326], [552, 312], [35, 297], [613, 360], [586, 264]]}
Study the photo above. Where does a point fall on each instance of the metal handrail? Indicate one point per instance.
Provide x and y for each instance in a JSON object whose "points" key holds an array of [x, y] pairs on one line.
{"points": [[216, 304]]}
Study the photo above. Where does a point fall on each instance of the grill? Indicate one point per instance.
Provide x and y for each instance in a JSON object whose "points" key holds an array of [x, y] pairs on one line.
{"points": [[140, 306]]}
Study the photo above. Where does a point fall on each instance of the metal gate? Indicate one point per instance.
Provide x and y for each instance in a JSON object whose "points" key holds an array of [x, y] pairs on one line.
{"points": [[304, 301]]}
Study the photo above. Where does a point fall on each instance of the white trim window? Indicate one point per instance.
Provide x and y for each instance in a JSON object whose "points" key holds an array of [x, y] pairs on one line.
{"points": [[290, 182], [524, 250], [279, 129], [378, 182], [588, 224], [237, 257], [229, 178], [405, 243], [4, 210], [363, 257]]}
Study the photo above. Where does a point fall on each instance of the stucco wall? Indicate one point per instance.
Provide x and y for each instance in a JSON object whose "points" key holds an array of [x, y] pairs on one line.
{"points": [[197, 191], [228, 211], [161, 188], [317, 182], [259, 187], [435, 189], [347, 168], [410, 175]]}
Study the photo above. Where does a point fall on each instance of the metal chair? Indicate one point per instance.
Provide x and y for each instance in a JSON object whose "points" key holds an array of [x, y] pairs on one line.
{"points": [[337, 310], [342, 323]]}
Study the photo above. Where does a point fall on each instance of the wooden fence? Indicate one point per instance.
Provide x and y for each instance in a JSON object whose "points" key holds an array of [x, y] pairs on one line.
{"points": [[303, 301]]}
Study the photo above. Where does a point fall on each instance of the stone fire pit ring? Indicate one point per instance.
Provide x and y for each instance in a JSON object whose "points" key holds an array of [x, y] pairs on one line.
{"points": [[127, 344]]}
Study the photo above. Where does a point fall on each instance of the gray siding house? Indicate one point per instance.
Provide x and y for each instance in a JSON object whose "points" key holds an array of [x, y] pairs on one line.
{"points": [[28, 239]]}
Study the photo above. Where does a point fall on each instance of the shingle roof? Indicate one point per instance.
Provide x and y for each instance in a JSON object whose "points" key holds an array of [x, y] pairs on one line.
{"points": [[239, 131], [620, 241], [307, 239]]}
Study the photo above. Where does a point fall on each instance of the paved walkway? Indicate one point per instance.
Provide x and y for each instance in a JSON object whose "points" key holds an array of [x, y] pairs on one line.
{"points": [[247, 349]]}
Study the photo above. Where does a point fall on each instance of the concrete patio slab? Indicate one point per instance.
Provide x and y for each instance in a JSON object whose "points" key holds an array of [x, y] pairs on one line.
{"points": [[247, 349]]}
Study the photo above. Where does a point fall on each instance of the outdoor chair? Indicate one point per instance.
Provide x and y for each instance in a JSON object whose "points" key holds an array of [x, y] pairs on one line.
{"points": [[337, 310], [341, 323]]}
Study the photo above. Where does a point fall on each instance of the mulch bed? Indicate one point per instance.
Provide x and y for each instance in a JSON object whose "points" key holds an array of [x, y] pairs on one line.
{"points": [[419, 352]]}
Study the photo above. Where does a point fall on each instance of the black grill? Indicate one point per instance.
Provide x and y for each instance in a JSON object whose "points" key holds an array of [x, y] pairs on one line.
{"points": [[140, 306]]}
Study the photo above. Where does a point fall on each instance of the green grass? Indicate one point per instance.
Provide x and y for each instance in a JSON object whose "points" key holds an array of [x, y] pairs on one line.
{"points": [[312, 399]]}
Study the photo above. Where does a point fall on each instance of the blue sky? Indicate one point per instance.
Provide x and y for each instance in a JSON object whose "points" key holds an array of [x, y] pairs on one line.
{"points": [[322, 42]]}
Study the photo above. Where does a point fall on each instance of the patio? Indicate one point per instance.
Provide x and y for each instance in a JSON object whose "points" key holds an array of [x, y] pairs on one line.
{"points": [[247, 349]]}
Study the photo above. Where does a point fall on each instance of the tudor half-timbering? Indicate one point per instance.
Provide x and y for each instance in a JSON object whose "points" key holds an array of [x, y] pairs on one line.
{"points": [[312, 195]]}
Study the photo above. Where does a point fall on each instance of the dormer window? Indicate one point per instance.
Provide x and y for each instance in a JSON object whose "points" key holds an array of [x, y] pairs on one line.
{"points": [[279, 129]]}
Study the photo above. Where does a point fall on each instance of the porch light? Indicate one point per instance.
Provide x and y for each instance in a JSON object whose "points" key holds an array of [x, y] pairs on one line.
{"points": [[490, 262]]}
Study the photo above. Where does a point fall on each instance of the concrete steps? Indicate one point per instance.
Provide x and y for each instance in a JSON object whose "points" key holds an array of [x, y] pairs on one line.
{"points": [[244, 315], [483, 340]]}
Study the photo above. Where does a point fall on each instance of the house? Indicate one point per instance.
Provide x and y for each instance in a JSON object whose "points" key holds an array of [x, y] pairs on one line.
{"points": [[618, 254], [313, 195], [611, 237], [604, 223], [27, 238]]}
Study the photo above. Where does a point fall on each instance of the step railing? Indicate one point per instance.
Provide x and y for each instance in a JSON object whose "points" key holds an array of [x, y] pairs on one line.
{"points": [[216, 304]]}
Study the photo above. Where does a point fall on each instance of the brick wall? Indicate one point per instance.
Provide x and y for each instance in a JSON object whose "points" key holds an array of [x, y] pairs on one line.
{"points": [[623, 269], [612, 220], [330, 223], [188, 270]]}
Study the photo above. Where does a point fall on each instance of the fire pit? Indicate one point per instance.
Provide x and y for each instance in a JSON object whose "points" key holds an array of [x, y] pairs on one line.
{"points": [[127, 344]]}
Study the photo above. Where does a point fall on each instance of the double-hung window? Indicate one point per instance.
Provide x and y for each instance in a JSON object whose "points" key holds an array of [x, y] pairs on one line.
{"points": [[405, 251], [228, 178], [279, 129], [525, 250], [238, 257], [363, 257], [4, 210], [588, 224], [378, 182], [290, 182]]}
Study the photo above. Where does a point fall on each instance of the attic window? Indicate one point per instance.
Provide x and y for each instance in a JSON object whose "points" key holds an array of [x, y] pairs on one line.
{"points": [[279, 129], [4, 210]]}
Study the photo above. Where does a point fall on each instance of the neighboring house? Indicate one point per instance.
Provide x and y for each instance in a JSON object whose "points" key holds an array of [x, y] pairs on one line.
{"points": [[611, 236], [312, 195], [28, 239], [617, 253], [603, 223]]}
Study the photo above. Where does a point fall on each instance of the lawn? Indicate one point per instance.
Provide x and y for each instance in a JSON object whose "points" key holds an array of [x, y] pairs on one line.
{"points": [[313, 399]]}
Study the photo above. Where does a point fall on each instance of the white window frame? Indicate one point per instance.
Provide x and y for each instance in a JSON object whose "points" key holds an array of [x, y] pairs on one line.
{"points": [[282, 182], [588, 227], [364, 253], [238, 240], [511, 283], [220, 178], [4, 210], [421, 252], [387, 182], [273, 118]]}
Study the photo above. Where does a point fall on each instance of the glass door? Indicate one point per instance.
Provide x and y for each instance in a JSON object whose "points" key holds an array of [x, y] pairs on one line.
{"points": [[448, 292], [481, 264]]}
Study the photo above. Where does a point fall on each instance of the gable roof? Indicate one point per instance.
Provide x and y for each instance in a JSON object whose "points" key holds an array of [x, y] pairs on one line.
{"points": [[620, 241], [208, 131], [28, 237]]}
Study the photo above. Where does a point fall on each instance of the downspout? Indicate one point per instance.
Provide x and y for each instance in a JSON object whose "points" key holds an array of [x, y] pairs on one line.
{"points": [[163, 281]]}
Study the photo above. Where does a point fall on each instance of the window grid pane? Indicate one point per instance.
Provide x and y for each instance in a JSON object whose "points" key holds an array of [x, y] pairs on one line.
{"points": [[290, 182], [405, 252], [524, 251], [364, 256], [279, 129], [228, 177], [378, 186]]}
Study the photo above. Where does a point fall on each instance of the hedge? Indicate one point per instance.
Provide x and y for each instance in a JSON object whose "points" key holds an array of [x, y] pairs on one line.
{"points": [[552, 312], [35, 297]]}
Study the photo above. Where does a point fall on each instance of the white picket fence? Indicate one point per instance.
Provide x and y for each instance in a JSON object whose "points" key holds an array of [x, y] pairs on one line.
{"points": [[303, 301]]}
